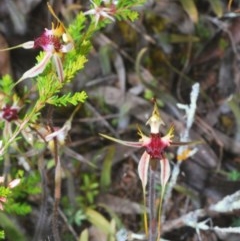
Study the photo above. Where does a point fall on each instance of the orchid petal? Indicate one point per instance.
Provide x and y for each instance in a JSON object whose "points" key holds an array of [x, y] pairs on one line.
{"points": [[125, 143], [97, 19], [14, 183], [59, 134], [37, 69], [165, 171], [170, 133], [59, 68], [1, 206], [28, 45], [143, 169], [106, 15], [89, 12], [1, 179]]}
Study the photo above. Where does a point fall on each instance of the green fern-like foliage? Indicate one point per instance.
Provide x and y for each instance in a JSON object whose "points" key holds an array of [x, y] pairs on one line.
{"points": [[76, 28], [28, 186], [125, 12], [20, 209], [75, 63], [4, 192], [6, 84], [69, 98]]}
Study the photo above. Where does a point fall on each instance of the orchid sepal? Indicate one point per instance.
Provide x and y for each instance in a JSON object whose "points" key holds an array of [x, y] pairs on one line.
{"points": [[125, 143], [59, 67]]}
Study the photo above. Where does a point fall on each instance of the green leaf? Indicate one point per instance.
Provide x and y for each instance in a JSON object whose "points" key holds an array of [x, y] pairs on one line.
{"points": [[181, 38], [99, 221], [190, 7], [84, 235], [217, 7], [105, 180]]}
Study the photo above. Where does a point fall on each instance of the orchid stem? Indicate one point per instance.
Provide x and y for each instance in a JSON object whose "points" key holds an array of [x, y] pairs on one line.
{"points": [[152, 216]]}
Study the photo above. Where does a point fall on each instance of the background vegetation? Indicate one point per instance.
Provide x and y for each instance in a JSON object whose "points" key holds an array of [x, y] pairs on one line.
{"points": [[186, 42]]}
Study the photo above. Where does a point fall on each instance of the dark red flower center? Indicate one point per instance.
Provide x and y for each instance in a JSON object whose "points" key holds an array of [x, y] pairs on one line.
{"points": [[44, 41], [9, 113], [156, 147]]}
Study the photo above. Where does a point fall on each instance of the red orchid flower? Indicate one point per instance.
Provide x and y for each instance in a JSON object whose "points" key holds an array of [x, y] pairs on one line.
{"points": [[9, 113], [154, 146], [55, 42]]}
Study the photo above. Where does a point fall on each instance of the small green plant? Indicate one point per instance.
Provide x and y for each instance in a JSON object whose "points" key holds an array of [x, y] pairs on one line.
{"points": [[234, 175], [90, 189]]}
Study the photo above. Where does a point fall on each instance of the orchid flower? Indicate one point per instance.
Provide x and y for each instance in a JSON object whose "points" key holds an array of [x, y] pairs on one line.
{"points": [[54, 42], [9, 113], [102, 12], [154, 146]]}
